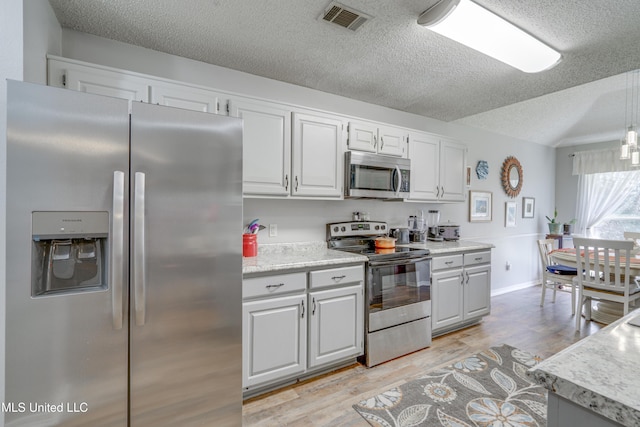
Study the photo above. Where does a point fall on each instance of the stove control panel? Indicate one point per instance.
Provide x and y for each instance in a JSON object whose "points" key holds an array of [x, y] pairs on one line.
{"points": [[356, 228]]}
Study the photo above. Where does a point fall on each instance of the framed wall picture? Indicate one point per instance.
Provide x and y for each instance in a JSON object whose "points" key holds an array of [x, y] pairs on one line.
{"points": [[510, 210], [528, 207], [480, 206]]}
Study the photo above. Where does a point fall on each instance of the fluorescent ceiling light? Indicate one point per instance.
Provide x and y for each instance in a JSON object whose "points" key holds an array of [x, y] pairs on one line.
{"points": [[479, 29]]}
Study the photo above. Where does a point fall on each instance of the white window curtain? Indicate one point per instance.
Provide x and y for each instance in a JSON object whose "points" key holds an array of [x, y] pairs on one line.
{"points": [[597, 195]]}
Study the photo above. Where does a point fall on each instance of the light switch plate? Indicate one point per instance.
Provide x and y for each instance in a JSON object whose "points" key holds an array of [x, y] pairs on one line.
{"points": [[273, 230]]}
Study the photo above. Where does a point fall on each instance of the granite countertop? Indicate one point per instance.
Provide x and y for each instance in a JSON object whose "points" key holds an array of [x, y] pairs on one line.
{"points": [[286, 256], [452, 247], [600, 372]]}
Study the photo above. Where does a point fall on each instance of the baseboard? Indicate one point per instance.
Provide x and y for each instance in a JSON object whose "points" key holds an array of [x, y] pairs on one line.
{"points": [[513, 288]]}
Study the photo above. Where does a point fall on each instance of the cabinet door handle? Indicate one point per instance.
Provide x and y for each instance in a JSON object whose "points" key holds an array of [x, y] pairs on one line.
{"points": [[437, 191], [302, 315], [448, 262], [313, 311], [381, 143], [442, 195], [467, 278], [375, 142], [478, 258], [286, 182], [462, 278], [275, 286], [338, 277], [296, 183]]}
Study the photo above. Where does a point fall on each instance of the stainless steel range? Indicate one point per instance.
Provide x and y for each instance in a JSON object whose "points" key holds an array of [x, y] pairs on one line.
{"points": [[398, 291]]}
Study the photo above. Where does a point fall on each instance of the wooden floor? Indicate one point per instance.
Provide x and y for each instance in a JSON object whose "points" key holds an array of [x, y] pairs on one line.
{"points": [[516, 319]]}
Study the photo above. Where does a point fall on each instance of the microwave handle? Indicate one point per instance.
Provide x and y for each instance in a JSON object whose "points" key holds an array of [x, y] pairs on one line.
{"points": [[398, 181]]}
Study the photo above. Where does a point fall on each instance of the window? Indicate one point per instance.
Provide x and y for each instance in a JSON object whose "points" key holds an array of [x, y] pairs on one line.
{"points": [[625, 216]]}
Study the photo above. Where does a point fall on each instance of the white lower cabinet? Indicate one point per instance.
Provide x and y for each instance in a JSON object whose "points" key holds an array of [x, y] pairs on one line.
{"points": [[460, 290], [335, 324], [274, 335], [300, 323], [446, 298]]}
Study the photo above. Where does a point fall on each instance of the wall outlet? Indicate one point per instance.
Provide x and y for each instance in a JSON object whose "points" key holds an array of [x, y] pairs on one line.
{"points": [[507, 266], [273, 230]]}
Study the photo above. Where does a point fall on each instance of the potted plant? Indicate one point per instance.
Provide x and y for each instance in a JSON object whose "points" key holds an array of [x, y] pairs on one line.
{"points": [[568, 226], [554, 227]]}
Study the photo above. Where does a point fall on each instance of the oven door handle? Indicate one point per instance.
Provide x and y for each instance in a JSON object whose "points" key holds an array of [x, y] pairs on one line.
{"points": [[376, 264]]}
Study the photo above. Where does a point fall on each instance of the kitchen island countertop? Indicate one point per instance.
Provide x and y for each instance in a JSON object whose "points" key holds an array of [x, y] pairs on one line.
{"points": [[599, 373], [277, 257]]}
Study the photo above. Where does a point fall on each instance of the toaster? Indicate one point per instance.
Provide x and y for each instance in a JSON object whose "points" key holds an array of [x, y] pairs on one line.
{"points": [[449, 232]]}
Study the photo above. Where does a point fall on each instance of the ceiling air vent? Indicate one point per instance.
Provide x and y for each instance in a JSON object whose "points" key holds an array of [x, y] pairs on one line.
{"points": [[344, 16]]}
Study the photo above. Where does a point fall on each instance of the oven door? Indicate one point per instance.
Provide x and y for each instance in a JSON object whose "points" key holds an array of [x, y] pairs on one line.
{"points": [[399, 291]]}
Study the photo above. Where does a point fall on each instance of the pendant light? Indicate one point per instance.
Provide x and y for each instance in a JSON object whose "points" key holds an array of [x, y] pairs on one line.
{"points": [[629, 145]]}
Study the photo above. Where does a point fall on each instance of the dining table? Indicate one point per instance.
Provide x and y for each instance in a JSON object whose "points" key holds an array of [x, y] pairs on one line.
{"points": [[605, 312]]}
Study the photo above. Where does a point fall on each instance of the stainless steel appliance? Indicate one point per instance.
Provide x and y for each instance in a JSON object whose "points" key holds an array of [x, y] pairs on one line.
{"points": [[433, 219], [449, 232], [376, 177], [400, 234], [398, 291], [418, 227], [124, 263]]}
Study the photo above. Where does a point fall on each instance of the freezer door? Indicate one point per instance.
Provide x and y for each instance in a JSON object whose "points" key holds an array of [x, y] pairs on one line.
{"points": [[66, 349], [186, 268]]}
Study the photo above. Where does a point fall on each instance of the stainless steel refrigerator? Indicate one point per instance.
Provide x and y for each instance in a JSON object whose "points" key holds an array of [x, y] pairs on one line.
{"points": [[124, 262]]}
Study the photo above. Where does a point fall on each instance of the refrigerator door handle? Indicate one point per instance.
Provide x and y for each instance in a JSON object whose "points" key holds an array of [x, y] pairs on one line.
{"points": [[139, 259], [117, 249]]}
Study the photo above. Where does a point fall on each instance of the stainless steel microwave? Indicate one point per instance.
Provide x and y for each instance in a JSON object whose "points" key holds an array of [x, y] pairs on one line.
{"points": [[374, 176]]}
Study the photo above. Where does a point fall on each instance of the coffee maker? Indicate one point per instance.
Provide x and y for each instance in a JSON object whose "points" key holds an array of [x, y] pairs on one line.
{"points": [[433, 231]]}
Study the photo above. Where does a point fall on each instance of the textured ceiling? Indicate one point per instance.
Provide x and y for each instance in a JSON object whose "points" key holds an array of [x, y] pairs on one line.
{"points": [[394, 62]]}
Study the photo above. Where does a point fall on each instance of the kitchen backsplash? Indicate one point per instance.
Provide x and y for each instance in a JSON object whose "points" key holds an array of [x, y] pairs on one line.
{"points": [[305, 220]]}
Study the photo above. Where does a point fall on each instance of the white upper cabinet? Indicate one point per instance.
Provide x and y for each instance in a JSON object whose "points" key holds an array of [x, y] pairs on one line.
{"points": [[376, 138], [266, 148], [99, 82], [189, 98], [318, 145], [363, 137], [134, 87], [424, 151], [438, 168], [453, 165], [393, 141]]}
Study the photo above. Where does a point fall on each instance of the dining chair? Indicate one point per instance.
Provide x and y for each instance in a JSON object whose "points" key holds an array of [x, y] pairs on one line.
{"points": [[632, 235], [605, 274], [554, 276]]}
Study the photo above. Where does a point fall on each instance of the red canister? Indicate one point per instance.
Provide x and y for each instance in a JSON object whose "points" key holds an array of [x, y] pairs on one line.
{"points": [[249, 245]]}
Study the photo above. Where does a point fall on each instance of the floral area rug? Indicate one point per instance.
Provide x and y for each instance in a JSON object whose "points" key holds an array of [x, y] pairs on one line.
{"points": [[490, 388]]}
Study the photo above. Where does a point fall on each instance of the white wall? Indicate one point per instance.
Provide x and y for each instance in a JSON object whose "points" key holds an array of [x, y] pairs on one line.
{"points": [[11, 67], [43, 35], [300, 220]]}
